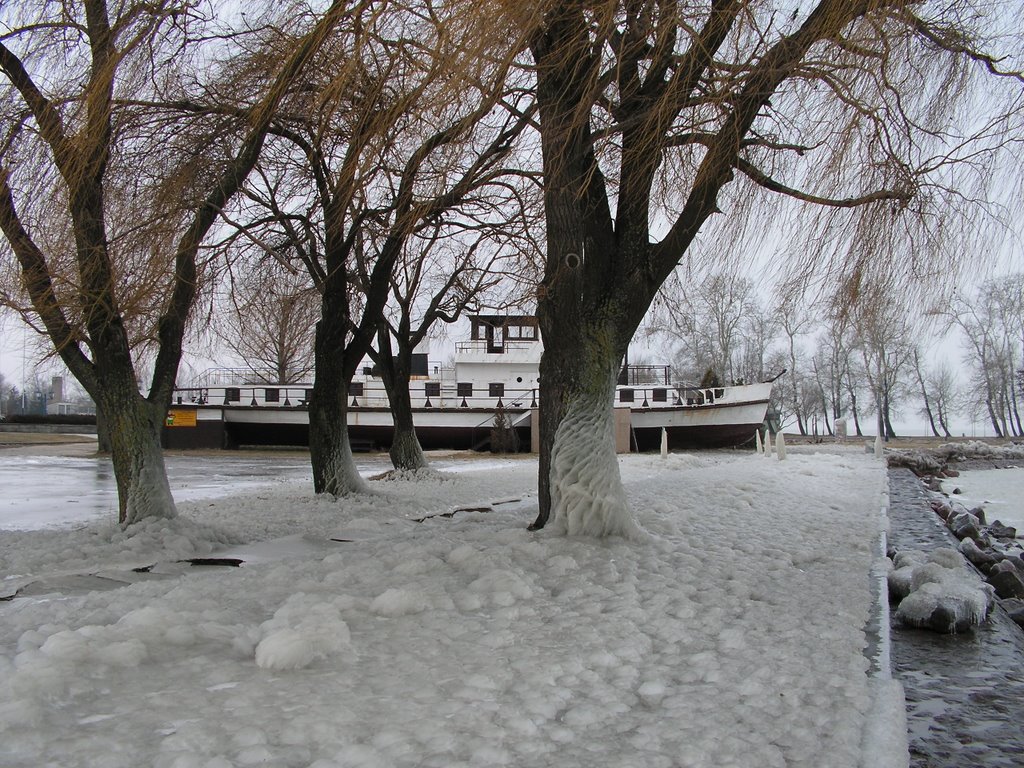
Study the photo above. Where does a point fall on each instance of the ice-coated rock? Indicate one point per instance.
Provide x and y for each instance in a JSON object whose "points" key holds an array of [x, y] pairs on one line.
{"points": [[978, 557], [1000, 531], [960, 519], [1006, 580], [1015, 608]]}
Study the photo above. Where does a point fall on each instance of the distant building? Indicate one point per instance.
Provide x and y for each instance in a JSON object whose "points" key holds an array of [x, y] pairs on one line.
{"points": [[57, 403]]}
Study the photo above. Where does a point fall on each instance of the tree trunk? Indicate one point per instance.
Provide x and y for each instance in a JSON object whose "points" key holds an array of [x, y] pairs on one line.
{"points": [[924, 394], [102, 433], [890, 433], [856, 417], [942, 421], [587, 497], [133, 425], [330, 452], [395, 371], [993, 418]]}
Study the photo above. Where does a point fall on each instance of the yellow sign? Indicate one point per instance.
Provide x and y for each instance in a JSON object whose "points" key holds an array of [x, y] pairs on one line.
{"points": [[181, 418]]}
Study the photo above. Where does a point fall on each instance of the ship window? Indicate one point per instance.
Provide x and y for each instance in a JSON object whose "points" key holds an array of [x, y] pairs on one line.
{"points": [[272, 395], [719, 392], [660, 396], [496, 390], [232, 395], [356, 389], [625, 395], [432, 389], [465, 389]]}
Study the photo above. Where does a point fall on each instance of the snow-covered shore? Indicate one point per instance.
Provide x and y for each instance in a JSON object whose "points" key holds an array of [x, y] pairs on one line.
{"points": [[731, 634]]}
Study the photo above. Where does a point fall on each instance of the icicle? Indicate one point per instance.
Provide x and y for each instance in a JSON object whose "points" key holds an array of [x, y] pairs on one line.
{"points": [[664, 442], [780, 446], [758, 448]]}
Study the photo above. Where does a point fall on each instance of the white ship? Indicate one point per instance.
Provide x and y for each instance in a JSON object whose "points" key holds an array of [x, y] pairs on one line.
{"points": [[494, 379]]}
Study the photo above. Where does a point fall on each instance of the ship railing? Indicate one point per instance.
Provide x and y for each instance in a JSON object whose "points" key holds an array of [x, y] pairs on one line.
{"points": [[434, 394], [371, 394], [498, 347], [666, 396]]}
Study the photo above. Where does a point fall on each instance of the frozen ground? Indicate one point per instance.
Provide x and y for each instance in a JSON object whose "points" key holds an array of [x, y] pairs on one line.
{"points": [[730, 634], [997, 490]]}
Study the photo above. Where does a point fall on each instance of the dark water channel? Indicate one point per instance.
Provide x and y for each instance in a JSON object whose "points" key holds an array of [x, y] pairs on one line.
{"points": [[965, 693]]}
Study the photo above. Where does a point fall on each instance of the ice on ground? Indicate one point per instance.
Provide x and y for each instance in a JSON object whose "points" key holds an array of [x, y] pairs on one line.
{"points": [[731, 634]]}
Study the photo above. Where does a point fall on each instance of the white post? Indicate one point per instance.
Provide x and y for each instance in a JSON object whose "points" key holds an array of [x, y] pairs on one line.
{"points": [[780, 446], [758, 448], [767, 443], [664, 442], [878, 446]]}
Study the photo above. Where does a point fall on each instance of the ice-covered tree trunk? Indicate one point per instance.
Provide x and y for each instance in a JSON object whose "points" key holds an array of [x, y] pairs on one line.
{"points": [[587, 497], [133, 426]]}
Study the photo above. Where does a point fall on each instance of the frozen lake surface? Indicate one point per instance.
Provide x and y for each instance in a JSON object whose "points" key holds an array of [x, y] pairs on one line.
{"points": [[999, 491], [40, 491], [43, 491]]}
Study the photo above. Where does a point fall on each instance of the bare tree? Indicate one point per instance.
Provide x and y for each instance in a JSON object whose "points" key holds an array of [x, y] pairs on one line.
{"points": [[710, 318], [989, 322], [884, 334], [795, 321], [443, 275], [927, 408], [944, 394], [270, 321], [91, 201], [649, 112]]}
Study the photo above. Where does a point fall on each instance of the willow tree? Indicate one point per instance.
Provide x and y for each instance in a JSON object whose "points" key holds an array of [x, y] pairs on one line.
{"points": [[658, 115], [105, 242]]}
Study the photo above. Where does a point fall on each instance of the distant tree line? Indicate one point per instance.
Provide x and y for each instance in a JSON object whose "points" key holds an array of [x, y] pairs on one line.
{"points": [[865, 364]]}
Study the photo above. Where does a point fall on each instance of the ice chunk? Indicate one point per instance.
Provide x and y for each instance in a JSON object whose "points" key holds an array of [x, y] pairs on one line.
{"points": [[285, 649], [398, 602]]}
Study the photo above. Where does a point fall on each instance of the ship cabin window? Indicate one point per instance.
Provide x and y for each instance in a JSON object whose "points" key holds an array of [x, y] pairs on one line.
{"points": [[367, 370], [719, 392], [465, 389], [432, 389], [626, 396], [496, 390], [272, 395], [232, 395], [659, 396], [356, 389], [524, 332]]}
